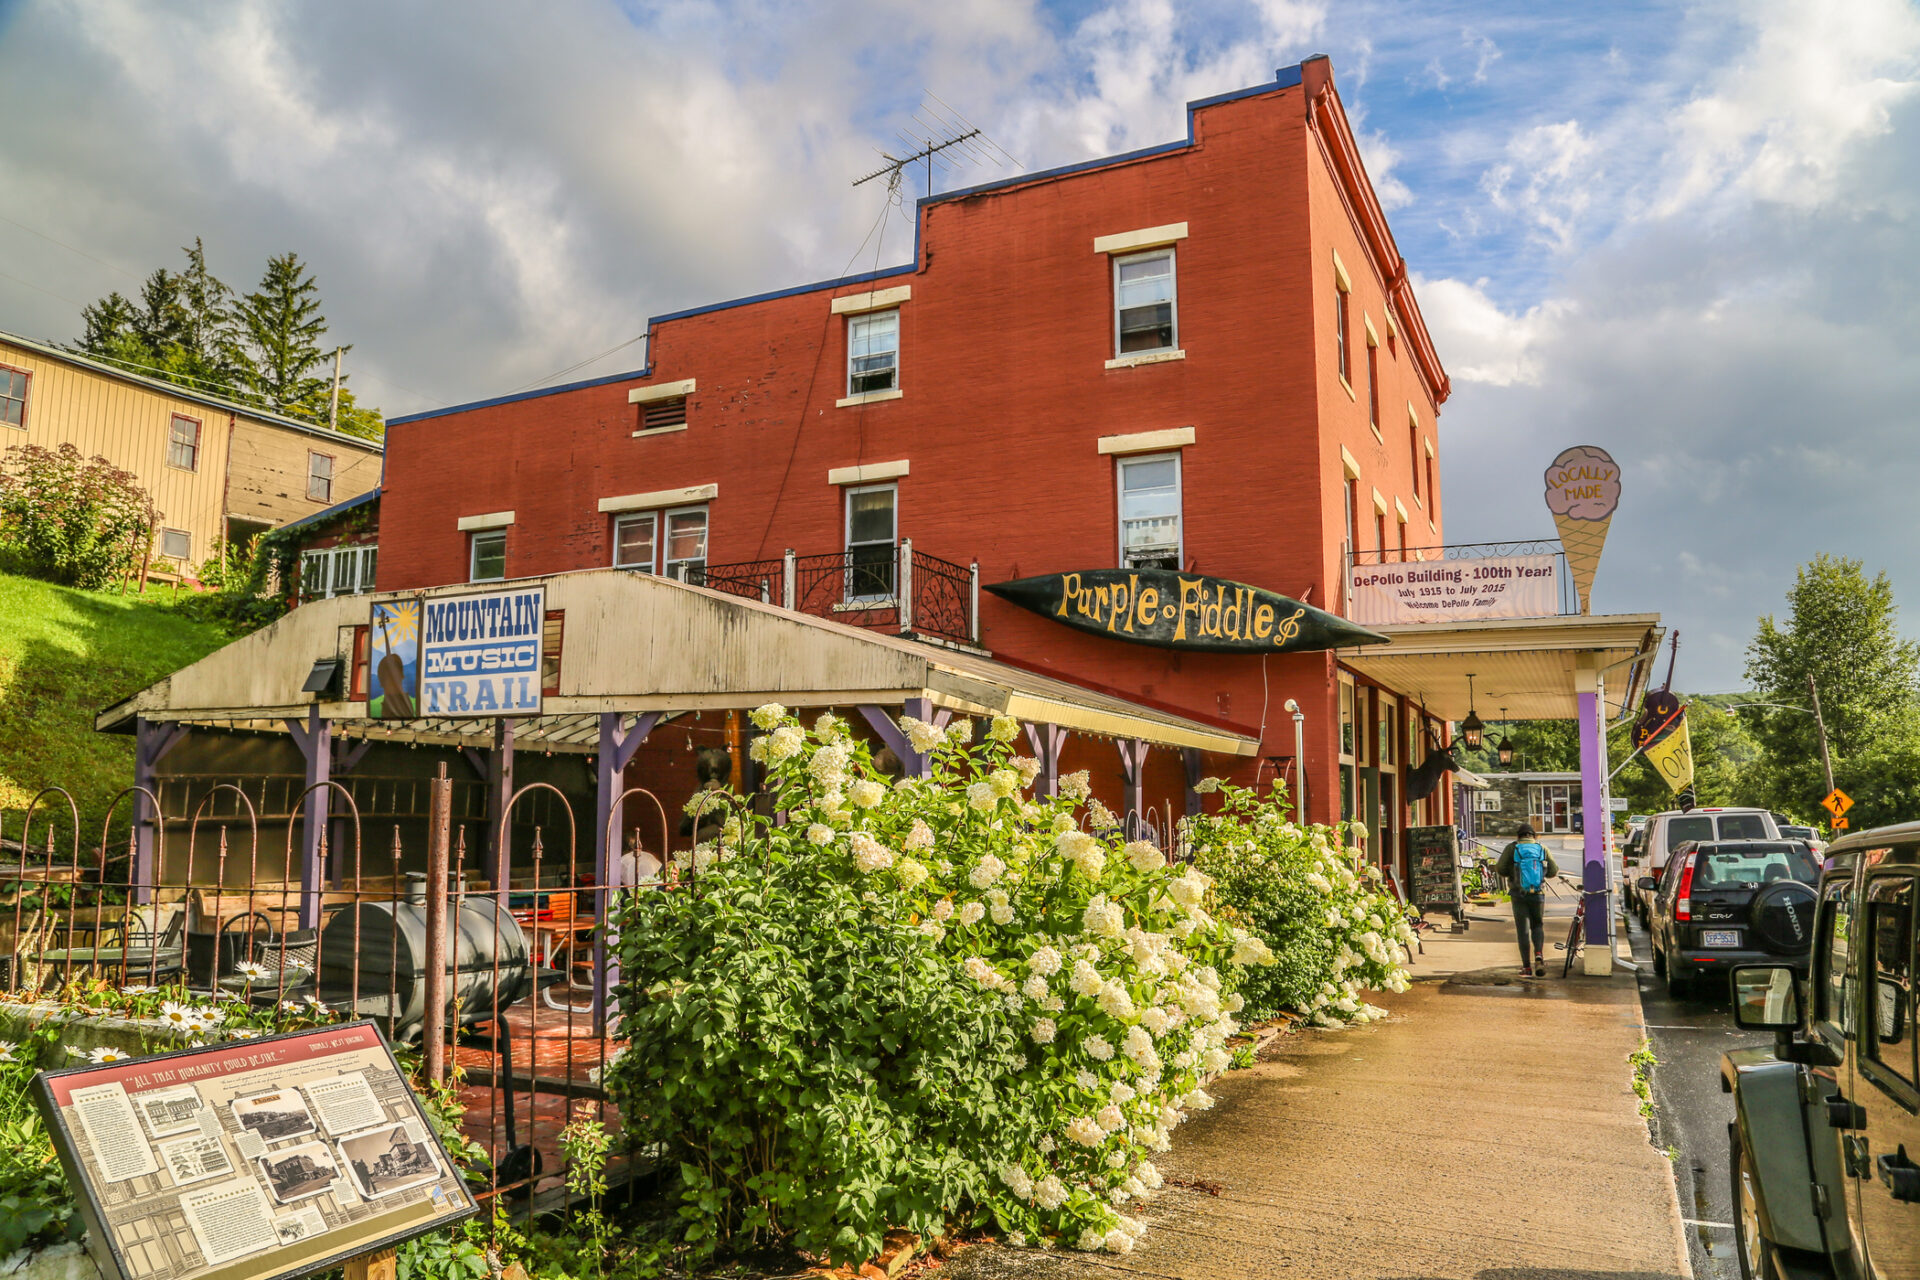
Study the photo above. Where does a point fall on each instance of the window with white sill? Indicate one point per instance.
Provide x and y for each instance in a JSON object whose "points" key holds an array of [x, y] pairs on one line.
{"points": [[1149, 492]]}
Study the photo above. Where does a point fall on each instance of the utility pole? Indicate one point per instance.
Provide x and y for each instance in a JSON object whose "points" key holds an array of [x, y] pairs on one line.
{"points": [[333, 397], [1820, 723]]}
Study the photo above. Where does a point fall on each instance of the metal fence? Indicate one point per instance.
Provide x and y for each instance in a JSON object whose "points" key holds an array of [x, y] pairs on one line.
{"points": [[889, 588], [507, 982]]}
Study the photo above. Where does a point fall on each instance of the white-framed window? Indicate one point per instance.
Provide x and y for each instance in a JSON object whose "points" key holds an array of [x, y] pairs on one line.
{"points": [[183, 443], [13, 396], [873, 531], [636, 539], [684, 549], [320, 477], [1149, 511], [873, 352], [176, 544], [1486, 802], [487, 556], [1145, 309], [336, 571]]}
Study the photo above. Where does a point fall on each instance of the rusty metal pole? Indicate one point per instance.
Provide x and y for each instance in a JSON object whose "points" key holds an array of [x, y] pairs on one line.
{"points": [[439, 824]]}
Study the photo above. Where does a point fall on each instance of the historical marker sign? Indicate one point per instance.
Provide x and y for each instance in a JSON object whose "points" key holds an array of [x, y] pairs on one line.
{"points": [[259, 1159], [1172, 610]]}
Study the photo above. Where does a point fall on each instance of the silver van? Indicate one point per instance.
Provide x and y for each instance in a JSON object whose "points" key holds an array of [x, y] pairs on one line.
{"points": [[1667, 831]]}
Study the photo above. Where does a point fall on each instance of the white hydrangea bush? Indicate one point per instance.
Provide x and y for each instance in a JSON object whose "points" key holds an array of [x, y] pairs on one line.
{"points": [[1312, 898], [1108, 964]]}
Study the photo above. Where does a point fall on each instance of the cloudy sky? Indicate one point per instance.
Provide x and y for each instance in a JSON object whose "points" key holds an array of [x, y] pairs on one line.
{"points": [[1684, 232]]}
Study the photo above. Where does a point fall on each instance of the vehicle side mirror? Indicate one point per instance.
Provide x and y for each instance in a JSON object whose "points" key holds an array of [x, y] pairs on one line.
{"points": [[1649, 883], [1766, 997]]}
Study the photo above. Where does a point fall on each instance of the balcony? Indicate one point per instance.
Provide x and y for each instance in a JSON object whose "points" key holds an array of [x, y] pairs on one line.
{"points": [[894, 589], [1460, 583]]}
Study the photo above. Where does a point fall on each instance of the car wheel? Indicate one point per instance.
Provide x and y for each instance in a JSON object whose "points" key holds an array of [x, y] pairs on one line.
{"points": [[1754, 1250], [1678, 984]]}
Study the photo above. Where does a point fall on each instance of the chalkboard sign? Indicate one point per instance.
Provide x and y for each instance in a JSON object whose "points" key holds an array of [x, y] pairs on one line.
{"points": [[1434, 856]]}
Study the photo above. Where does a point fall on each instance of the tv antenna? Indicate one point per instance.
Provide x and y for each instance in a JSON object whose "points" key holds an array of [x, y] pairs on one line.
{"points": [[939, 139]]}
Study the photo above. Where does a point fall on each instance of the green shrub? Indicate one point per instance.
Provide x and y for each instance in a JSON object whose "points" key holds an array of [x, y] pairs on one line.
{"points": [[81, 522], [1316, 903], [910, 1003]]}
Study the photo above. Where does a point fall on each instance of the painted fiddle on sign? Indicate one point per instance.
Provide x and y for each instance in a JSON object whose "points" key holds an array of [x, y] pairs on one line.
{"points": [[1172, 610]]}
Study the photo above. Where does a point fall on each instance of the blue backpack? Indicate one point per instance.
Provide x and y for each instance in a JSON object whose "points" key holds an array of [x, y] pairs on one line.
{"points": [[1529, 867]]}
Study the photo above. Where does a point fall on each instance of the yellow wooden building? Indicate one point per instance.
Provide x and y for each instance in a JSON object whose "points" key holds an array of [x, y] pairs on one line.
{"points": [[218, 471]]}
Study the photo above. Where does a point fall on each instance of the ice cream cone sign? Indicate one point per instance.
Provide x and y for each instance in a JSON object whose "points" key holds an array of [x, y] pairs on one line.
{"points": [[1583, 488]]}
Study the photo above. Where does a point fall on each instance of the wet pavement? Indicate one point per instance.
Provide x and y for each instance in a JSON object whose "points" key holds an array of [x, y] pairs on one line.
{"points": [[1691, 1113], [1487, 1129]]}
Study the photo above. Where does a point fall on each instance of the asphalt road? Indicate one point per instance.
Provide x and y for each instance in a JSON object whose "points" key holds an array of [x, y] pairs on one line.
{"points": [[1690, 1112]]}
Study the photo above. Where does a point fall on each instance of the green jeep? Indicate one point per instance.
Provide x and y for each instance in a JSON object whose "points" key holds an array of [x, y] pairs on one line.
{"points": [[1825, 1141]]}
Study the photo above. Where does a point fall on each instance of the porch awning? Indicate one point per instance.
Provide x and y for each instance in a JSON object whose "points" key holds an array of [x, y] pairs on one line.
{"points": [[1522, 668], [636, 642]]}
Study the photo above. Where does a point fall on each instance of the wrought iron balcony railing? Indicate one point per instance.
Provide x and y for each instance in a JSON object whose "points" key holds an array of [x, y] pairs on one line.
{"points": [[888, 588]]}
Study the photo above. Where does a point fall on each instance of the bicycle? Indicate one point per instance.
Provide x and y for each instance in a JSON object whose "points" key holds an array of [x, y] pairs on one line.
{"points": [[1576, 932]]}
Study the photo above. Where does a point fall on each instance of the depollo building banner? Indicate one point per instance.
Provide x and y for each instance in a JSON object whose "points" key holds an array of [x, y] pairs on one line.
{"points": [[1454, 590]]}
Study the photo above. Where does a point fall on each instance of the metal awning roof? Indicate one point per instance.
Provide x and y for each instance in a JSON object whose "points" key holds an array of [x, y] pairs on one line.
{"points": [[635, 642], [1522, 668]]}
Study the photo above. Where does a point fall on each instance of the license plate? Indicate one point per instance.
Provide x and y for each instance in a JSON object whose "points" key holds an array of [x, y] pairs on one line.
{"points": [[1720, 938]]}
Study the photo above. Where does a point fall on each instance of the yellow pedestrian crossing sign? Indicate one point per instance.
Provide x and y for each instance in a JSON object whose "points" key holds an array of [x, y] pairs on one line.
{"points": [[1838, 803]]}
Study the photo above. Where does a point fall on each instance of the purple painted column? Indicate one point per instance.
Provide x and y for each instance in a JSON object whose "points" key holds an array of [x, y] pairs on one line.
{"points": [[1046, 741], [912, 763], [1195, 760], [617, 748], [1133, 768], [315, 740], [1593, 807], [151, 741]]}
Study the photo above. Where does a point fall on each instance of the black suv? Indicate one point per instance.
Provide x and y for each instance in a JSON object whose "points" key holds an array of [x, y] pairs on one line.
{"points": [[1727, 902]]}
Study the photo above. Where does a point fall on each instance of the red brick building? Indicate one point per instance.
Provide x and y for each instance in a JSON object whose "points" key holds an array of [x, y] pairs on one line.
{"points": [[1205, 355]]}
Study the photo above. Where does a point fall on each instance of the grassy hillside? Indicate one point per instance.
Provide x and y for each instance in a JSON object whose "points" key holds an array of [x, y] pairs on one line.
{"points": [[64, 654]]}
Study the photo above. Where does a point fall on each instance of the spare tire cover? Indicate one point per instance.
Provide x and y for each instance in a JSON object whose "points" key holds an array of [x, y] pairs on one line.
{"points": [[1782, 916]]}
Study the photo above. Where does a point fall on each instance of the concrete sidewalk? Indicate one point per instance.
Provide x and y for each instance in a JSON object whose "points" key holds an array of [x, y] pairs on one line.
{"points": [[1486, 1129]]}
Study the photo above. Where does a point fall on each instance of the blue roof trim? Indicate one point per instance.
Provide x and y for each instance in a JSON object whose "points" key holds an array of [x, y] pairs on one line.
{"points": [[371, 495], [519, 395], [1284, 78]]}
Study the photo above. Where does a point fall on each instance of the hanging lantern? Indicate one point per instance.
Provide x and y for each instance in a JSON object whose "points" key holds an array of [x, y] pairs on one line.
{"points": [[1505, 750], [1471, 729]]}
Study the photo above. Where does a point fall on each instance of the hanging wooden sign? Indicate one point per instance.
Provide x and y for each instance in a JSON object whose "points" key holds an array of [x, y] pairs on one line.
{"points": [[1172, 610]]}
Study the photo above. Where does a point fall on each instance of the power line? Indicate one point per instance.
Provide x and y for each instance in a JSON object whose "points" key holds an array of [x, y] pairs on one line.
{"points": [[37, 289], [538, 382], [111, 266]]}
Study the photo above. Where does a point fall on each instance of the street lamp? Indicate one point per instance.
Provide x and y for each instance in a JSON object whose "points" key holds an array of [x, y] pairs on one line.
{"points": [[1471, 729], [1504, 747]]}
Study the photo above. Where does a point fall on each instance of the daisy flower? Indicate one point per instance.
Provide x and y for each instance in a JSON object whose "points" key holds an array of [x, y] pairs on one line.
{"points": [[174, 1014], [250, 970], [106, 1053], [6, 1050]]}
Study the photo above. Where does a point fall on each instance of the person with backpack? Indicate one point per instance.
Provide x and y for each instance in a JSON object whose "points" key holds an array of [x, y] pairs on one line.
{"points": [[1525, 864]]}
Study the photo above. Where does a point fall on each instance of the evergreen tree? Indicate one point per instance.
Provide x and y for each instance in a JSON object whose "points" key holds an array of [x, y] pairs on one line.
{"points": [[283, 324], [109, 323]]}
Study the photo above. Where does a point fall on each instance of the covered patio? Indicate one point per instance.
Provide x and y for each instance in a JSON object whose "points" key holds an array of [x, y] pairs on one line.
{"points": [[1571, 667]]}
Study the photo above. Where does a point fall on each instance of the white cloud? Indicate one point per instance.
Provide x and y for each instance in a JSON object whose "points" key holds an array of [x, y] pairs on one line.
{"points": [[1478, 341], [1547, 177], [1777, 121]]}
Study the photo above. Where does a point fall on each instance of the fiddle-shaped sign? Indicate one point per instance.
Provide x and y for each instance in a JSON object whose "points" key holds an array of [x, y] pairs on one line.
{"points": [[1172, 610]]}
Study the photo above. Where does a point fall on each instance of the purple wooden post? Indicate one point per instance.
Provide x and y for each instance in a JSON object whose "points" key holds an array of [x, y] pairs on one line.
{"points": [[912, 762], [1195, 760], [1046, 742], [1133, 767], [617, 748], [315, 740], [345, 759], [151, 741], [1593, 774], [499, 791]]}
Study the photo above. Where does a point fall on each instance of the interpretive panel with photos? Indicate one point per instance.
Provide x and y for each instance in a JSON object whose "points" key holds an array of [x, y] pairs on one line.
{"points": [[260, 1159]]}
